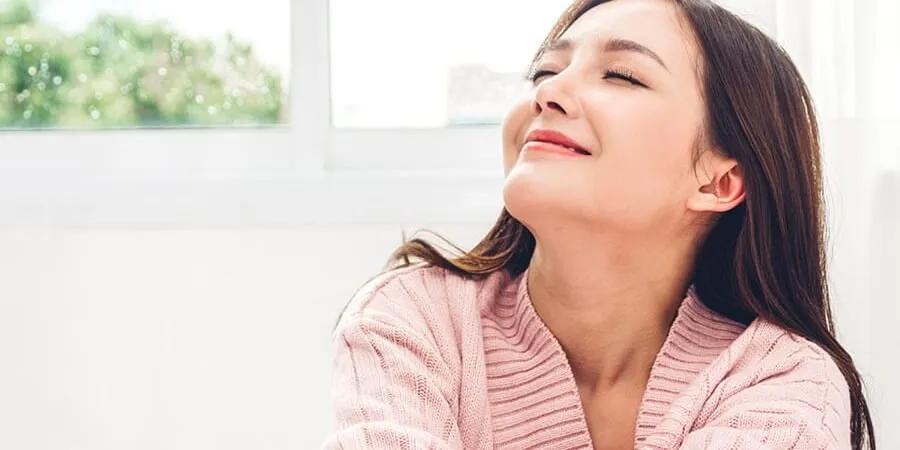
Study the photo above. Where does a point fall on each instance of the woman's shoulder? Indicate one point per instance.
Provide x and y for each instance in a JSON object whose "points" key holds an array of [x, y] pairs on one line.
{"points": [[423, 297], [763, 348], [784, 350], [770, 356]]}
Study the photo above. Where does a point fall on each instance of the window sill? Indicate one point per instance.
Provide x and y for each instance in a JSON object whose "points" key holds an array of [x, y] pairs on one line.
{"points": [[446, 198]]}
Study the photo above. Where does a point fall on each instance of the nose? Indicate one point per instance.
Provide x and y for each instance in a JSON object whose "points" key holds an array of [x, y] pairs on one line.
{"points": [[554, 95]]}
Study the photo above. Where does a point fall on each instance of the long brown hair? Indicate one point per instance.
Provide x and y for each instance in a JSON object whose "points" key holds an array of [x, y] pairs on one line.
{"points": [[763, 259]]}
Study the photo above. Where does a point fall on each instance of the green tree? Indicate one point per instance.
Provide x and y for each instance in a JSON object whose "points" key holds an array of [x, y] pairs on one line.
{"points": [[121, 72]]}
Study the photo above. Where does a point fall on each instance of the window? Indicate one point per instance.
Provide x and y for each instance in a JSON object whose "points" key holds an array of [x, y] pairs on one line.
{"points": [[216, 140], [142, 63], [424, 87], [425, 64]]}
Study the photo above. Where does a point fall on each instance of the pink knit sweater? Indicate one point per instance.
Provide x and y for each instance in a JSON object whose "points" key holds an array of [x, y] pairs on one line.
{"points": [[426, 360]]}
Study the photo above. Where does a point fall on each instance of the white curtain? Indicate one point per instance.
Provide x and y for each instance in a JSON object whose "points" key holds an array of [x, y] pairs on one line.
{"points": [[849, 53]]}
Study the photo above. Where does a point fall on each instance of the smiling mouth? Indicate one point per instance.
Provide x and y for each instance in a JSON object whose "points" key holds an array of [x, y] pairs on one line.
{"points": [[577, 150], [552, 147], [556, 142]]}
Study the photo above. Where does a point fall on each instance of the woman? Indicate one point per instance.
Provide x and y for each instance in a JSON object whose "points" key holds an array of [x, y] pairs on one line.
{"points": [[656, 279]]}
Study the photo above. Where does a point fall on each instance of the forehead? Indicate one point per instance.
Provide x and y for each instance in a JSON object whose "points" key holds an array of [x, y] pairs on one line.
{"points": [[656, 24]]}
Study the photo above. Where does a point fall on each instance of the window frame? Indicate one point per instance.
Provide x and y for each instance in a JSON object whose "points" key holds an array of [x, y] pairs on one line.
{"points": [[302, 173]]}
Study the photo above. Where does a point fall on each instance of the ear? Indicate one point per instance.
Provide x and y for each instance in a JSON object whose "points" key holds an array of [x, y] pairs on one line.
{"points": [[720, 188]]}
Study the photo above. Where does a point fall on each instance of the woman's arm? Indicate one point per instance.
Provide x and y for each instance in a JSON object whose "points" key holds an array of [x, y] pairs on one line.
{"points": [[391, 389]]}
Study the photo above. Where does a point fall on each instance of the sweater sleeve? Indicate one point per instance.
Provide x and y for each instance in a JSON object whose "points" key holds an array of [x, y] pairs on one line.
{"points": [[806, 407], [390, 389]]}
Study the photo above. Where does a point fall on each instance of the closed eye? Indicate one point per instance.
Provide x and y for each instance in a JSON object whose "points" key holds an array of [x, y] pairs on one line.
{"points": [[619, 74], [536, 76], [624, 75]]}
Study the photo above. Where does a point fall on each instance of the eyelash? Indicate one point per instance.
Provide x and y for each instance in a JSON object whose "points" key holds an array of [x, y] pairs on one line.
{"points": [[618, 73]]}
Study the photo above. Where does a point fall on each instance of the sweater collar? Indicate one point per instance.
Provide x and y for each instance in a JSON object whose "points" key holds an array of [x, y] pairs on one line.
{"points": [[530, 380]]}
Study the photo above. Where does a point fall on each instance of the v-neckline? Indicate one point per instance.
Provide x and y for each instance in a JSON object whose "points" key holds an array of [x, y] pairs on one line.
{"points": [[542, 362]]}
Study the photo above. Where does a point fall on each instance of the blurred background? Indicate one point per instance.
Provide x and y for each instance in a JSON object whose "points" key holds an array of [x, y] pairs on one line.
{"points": [[190, 191]]}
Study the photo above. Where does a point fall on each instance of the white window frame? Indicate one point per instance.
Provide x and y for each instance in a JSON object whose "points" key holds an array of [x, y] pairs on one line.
{"points": [[303, 173], [299, 174]]}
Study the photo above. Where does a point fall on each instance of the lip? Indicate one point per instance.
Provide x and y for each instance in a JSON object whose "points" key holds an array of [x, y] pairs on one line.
{"points": [[557, 139]]}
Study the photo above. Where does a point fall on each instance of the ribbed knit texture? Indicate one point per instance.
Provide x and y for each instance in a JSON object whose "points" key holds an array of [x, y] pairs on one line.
{"points": [[426, 360]]}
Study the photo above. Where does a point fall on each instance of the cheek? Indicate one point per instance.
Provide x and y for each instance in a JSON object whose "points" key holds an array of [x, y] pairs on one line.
{"points": [[515, 125], [645, 166], [647, 137]]}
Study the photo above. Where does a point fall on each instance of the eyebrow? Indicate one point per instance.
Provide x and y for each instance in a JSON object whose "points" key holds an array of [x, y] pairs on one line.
{"points": [[612, 45]]}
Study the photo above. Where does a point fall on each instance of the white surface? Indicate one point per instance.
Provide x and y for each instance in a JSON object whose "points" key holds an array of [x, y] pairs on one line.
{"points": [[193, 340]]}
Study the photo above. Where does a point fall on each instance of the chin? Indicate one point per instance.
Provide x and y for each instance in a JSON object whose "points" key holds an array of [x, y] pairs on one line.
{"points": [[538, 198]]}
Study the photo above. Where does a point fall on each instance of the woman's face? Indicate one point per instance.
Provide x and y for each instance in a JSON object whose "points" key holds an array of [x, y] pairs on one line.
{"points": [[622, 84]]}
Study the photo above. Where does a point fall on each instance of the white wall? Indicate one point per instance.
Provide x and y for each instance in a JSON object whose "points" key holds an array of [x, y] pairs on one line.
{"points": [[194, 340]]}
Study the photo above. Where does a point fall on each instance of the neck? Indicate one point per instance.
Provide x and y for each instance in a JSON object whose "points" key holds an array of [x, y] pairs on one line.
{"points": [[609, 302]]}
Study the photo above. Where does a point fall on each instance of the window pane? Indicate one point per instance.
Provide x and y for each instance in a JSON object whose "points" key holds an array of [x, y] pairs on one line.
{"points": [[414, 63], [143, 63]]}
